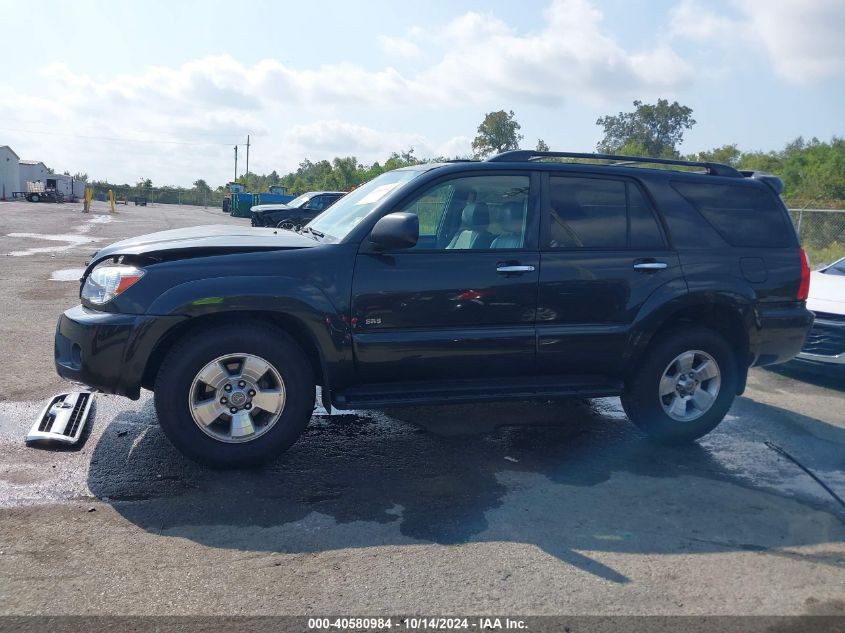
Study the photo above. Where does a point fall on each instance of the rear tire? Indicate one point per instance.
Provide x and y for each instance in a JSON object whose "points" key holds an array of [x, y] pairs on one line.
{"points": [[179, 379], [683, 387]]}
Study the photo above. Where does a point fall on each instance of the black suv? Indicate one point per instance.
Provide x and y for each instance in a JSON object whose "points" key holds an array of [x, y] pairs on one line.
{"points": [[298, 212], [519, 277]]}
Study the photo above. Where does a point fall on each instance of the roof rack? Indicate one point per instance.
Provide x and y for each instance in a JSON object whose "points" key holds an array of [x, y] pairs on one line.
{"points": [[518, 155]]}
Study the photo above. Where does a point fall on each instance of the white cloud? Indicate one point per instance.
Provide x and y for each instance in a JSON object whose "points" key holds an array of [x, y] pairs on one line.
{"points": [[694, 20], [802, 39], [455, 147], [473, 61], [400, 47], [330, 138]]}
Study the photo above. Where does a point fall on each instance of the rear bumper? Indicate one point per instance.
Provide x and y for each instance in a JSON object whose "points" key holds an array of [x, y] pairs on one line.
{"points": [[779, 335], [107, 351]]}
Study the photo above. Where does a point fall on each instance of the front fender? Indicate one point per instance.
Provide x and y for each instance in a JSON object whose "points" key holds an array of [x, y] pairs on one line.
{"points": [[284, 296]]}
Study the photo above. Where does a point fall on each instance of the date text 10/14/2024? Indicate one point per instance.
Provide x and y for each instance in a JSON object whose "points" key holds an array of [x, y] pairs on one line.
{"points": [[417, 623]]}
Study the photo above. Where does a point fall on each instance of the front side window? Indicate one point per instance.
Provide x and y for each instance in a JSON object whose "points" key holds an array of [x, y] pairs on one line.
{"points": [[300, 201], [315, 203], [473, 213]]}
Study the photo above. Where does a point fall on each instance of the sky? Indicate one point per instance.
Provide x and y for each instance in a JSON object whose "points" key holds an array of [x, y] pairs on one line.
{"points": [[124, 90]]}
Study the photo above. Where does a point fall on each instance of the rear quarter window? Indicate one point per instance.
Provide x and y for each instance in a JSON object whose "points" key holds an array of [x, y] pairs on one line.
{"points": [[743, 216]]}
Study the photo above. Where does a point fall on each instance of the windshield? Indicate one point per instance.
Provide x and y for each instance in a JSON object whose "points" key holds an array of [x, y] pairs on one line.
{"points": [[345, 214], [298, 202], [836, 268]]}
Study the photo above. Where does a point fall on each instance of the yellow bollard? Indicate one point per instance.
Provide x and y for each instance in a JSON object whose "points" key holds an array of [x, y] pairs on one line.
{"points": [[111, 201], [87, 198]]}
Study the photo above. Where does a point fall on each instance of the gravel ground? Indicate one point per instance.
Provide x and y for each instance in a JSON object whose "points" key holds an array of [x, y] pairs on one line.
{"points": [[518, 508]]}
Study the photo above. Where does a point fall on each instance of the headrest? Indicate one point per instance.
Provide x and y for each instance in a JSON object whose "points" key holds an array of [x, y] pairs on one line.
{"points": [[476, 214], [512, 213]]}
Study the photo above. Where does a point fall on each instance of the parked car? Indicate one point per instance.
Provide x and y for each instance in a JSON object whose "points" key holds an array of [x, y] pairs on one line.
{"points": [[511, 278], [826, 341], [298, 212]]}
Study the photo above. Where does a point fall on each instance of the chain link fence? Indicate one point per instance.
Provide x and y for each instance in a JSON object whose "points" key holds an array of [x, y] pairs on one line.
{"points": [[164, 195], [822, 234]]}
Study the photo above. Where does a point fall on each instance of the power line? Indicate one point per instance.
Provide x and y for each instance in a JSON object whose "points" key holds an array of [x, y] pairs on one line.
{"points": [[114, 138]]}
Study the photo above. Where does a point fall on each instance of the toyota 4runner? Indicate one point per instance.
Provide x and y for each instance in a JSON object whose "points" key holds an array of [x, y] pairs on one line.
{"points": [[525, 276]]}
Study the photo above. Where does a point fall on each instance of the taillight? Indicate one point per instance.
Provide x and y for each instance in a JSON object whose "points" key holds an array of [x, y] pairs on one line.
{"points": [[804, 286]]}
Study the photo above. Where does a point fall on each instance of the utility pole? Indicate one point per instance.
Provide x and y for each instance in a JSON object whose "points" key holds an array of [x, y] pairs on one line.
{"points": [[236, 162], [247, 154]]}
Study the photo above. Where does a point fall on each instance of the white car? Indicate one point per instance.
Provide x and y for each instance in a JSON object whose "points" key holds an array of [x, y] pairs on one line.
{"points": [[826, 341]]}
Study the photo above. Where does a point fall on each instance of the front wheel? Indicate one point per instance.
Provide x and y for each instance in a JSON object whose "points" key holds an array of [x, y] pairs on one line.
{"points": [[234, 396], [683, 387]]}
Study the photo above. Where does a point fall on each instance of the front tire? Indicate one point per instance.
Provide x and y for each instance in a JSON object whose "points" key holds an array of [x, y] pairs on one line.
{"points": [[683, 387], [232, 396]]}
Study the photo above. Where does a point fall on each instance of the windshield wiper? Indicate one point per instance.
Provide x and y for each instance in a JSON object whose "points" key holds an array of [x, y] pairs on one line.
{"points": [[313, 232]]}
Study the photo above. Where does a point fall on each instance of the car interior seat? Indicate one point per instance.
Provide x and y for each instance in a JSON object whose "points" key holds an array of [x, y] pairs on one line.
{"points": [[475, 220], [512, 221]]}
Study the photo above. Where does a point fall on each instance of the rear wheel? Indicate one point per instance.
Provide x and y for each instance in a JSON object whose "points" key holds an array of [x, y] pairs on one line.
{"points": [[234, 396], [35, 198], [683, 387]]}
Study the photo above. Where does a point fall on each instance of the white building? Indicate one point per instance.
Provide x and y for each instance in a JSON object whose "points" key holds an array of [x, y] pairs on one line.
{"points": [[33, 171], [10, 178], [36, 172]]}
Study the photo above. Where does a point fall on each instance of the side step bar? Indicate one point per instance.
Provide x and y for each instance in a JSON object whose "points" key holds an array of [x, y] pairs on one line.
{"points": [[403, 394]]}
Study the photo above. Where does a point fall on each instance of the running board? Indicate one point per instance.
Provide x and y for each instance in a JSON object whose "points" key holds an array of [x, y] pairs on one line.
{"points": [[63, 419], [378, 396]]}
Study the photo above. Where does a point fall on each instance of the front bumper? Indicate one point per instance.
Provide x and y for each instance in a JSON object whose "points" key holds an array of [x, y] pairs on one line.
{"points": [[826, 341], [108, 351]]}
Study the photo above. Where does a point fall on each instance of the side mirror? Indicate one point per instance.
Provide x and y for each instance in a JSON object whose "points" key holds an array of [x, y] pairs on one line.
{"points": [[396, 230]]}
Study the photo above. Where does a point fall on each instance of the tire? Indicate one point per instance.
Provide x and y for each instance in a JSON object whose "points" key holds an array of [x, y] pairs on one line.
{"points": [[35, 198], [286, 224], [684, 422], [178, 385]]}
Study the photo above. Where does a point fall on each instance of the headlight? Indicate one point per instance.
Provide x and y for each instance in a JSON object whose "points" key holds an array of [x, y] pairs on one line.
{"points": [[106, 282]]}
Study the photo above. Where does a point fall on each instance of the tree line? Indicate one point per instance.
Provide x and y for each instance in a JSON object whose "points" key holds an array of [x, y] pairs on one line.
{"points": [[813, 171]]}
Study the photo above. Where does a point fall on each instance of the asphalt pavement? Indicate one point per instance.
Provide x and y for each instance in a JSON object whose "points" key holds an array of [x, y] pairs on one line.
{"points": [[517, 508]]}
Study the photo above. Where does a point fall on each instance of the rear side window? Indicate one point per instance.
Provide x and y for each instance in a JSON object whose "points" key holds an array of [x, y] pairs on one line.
{"points": [[743, 216], [644, 232], [600, 213]]}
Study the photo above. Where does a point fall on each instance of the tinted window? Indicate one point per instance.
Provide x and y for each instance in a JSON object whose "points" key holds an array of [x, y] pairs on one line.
{"points": [[836, 268], [644, 232], [743, 216], [477, 212], [587, 213]]}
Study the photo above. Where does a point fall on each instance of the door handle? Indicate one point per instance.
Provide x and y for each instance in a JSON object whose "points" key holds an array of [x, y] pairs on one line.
{"points": [[514, 268], [651, 266]]}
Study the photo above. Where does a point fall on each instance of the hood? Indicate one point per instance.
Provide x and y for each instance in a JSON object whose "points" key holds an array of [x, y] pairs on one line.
{"points": [[827, 293], [264, 208], [206, 240]]}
